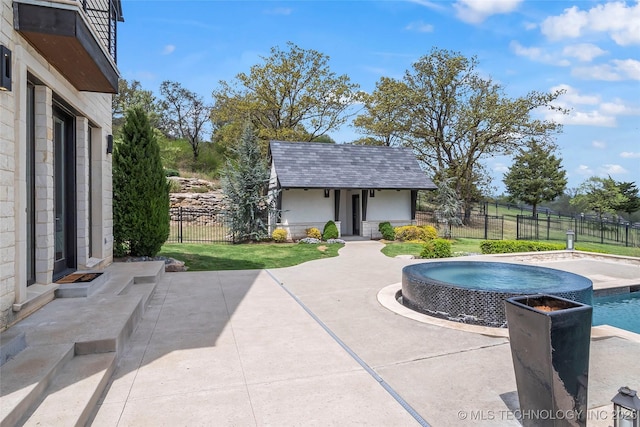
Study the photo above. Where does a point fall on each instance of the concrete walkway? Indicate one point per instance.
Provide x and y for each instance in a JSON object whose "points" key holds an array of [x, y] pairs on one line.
{"points": [[238, 349]]}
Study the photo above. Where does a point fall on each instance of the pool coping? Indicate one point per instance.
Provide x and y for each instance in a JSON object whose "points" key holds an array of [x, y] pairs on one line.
{"points": [[387, 298]]}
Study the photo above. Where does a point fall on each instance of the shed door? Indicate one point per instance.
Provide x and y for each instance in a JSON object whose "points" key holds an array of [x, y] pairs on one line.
{"points": [[355, 214]]}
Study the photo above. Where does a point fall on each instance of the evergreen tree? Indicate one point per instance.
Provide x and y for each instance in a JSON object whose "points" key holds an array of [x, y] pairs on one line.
{"points": [[536, 175], [140, 190], [632, 203], [448, 205], [601, 195], [245, 180]]}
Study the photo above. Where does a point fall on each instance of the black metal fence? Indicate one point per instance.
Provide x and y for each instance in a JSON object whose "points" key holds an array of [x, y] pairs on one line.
{"points": [[586, 230], [477, 226], [195, 225]]}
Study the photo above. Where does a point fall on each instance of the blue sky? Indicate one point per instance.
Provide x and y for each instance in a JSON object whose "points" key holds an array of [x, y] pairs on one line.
{"points": [[589, 48]]}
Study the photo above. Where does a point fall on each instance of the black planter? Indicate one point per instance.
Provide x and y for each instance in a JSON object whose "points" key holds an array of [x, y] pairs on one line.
{"points": [[550, 351]]}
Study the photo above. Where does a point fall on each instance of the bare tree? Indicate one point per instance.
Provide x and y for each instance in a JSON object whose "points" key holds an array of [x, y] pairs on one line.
{"points": [[184, 115]]}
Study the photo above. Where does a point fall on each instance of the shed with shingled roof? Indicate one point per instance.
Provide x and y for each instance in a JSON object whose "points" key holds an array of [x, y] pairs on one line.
{"points": [[357, 186]]}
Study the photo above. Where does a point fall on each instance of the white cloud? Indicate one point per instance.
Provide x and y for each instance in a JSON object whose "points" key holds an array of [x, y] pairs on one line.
{"points": [[500, 167], [429, 4], [420, 27], [584, 52], [537, 54], [279, 11], [572, 96], [584, 170], [630, 67], [616, 70], [620, 21], [619, 108], [168, 49], [630, 155], [574, 101], [476, 11], [601, 145], [612, 170]]}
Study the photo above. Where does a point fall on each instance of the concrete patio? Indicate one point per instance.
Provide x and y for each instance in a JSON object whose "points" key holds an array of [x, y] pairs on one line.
{"points": [[304, 345]]}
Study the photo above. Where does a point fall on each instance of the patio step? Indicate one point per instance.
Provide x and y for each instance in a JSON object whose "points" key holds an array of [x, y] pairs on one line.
{"points": [[72, 395], [26, 377], [59, 360]]}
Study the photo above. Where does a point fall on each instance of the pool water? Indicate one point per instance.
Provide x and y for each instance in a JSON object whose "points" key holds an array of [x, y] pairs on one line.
{"points": [[502, 277], [621, 311]]}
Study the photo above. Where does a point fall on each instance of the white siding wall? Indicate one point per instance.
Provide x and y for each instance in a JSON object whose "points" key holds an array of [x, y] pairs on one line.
{"points": [[90, 107], [306, 206], [389, 205]]}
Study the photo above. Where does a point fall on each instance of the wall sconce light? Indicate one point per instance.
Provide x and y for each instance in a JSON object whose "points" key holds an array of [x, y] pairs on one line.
{"points": [[372, 193], [570, 239], [5, 69], [626, 408], [109, 144], [326, 192]]}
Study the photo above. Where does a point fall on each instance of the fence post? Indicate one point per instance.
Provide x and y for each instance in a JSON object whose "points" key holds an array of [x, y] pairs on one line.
{"points": [[486, 226], [626, 234], [180, 224], [548, 225]]}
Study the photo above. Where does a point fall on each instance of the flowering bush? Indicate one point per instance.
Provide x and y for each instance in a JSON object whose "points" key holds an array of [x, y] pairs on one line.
{"points": [[340, 241], [279, 235], [314, 233], [310, 240]]}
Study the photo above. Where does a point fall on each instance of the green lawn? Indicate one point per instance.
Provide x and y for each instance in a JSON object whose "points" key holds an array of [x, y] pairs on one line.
{"points": [[467, 246], [212, 257]]}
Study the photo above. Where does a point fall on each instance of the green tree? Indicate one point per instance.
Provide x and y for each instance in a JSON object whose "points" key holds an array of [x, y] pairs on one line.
{"points": [[140, 190], [384, 110], [448, 205], [454, 118], [536, 175], [184, 115], [601, 195], [131, 94], [630, 191], [244, 181], [292, 96]]}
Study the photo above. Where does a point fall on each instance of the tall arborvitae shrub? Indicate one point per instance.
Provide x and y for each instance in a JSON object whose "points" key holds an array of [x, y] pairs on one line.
{"points": [[140, 190], [245, 181]]}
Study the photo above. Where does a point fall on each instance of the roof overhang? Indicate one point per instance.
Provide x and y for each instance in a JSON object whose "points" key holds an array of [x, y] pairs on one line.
{"points": [[61, 34]]}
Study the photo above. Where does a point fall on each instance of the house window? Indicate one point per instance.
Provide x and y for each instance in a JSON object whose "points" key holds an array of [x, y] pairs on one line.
{"points": [[31, 185], [90, 186]]}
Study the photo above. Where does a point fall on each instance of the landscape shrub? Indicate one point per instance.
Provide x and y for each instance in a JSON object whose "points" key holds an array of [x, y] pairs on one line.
{"points": [[386, 230], [279, 235], [407, 233], [338, 241], [330, 231], [314, 233], [429, 232], [436, 248], [171, 172], [310, 240], [512, 246], [140, 190], [174, 186]]}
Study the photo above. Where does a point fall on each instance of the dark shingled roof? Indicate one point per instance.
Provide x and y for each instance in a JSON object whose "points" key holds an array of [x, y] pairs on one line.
{"points": [[325, 165]]}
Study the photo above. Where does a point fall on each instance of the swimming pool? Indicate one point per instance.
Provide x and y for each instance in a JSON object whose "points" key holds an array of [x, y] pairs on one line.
{"points": [[621, 311]]}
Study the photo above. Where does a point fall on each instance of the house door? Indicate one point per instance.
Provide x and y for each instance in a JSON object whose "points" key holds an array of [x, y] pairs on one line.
{"points": [[355, 214], [64, 189]]}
